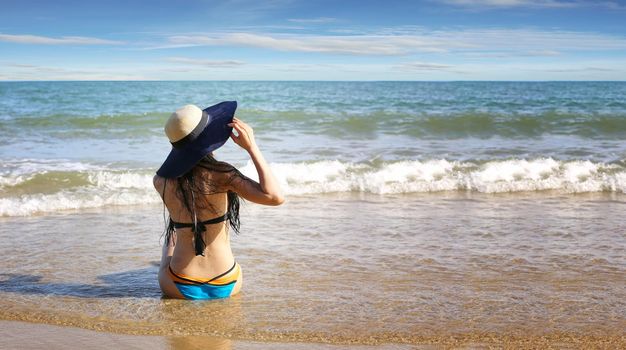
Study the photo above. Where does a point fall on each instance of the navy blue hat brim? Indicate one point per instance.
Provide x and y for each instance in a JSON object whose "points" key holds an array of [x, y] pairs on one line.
{"points": [[215, 134]]}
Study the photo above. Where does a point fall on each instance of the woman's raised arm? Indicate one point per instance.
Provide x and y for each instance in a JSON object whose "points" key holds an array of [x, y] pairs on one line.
{"points": [[267, 190]]}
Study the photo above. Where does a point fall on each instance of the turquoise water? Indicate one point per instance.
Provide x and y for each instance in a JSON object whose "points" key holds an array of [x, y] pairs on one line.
{"points": [[62, 142]]}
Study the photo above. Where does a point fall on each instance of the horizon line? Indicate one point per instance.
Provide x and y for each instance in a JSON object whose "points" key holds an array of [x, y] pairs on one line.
{"points": [[327, 81]]}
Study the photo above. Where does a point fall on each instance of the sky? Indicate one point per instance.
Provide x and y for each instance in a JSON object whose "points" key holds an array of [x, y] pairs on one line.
{"points": [[428, 40]]}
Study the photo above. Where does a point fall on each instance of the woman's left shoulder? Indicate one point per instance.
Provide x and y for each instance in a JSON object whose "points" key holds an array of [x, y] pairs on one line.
{"points": [[158, 181]]}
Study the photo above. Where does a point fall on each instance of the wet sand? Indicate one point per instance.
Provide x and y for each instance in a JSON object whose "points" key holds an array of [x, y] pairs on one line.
{"points": [[459, 270], [20, 335]]}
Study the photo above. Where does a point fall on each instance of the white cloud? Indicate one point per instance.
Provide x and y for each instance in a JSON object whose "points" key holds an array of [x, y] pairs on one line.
{"points": [[423, 66], [543, 53], [206, 63], [354, 45], [494, 4], [36, 72], [21, 65], [64, 40], [412, 70], [522, 42], [317, 20], [513, 54], [513, 3], [580, 70], [587, 70], [537, 41]]}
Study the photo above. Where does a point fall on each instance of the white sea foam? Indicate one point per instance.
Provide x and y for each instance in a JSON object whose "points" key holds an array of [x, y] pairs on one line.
{"points": [[28, 166], [120, 180], [17, 171], [104, 189], [443, 175], [100, 187], [40, 203]]}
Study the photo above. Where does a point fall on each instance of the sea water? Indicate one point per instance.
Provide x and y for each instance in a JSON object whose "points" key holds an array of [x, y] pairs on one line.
{"points": [[72, 145], [414, 209]]}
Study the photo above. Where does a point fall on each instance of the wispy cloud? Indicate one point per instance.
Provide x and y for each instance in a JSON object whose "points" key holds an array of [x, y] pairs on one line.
{"points": [[541, 53], [423, 66], [206, 63], [513, 3], [38, 72], [354, 45], [426, 67], [513, 54], [317, 20], [64, 40], [526, 42], [554, 4], [246, 10], [581, 70], [21, 65], [410, 70]]}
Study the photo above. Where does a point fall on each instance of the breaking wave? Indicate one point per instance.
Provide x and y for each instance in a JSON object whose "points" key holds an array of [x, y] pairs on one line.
{"points": [[28, 187]]}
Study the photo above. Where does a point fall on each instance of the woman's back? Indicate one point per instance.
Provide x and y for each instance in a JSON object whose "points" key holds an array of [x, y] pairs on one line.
{"points": [[203, 192]]}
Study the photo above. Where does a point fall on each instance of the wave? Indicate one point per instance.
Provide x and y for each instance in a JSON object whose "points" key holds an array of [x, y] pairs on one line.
{"points": [[435, 125], [416, 176], [29, 187], [38, 186]]}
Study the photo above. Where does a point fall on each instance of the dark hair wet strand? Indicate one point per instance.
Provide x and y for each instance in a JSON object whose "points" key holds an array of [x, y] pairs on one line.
{"points": [[187, 189]]}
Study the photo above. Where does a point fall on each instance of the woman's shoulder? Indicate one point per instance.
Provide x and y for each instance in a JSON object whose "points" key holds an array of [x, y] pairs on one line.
{"points": [[158, 182]]}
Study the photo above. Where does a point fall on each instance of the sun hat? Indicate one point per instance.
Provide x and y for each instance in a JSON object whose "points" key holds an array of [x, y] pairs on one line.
{"points": [[194, 133]]}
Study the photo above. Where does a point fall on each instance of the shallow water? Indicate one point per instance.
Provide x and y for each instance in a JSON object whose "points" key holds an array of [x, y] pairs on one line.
{"points": [[339, 268]]}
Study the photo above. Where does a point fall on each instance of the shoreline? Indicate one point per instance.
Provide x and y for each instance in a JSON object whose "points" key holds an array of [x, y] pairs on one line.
{"points": [[18, 334]]}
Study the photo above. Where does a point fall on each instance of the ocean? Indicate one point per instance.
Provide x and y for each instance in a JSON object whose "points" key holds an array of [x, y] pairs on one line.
{"points": [[416, 211]]}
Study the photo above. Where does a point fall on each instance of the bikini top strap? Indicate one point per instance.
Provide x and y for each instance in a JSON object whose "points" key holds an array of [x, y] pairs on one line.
{"points": [[201, 223]]}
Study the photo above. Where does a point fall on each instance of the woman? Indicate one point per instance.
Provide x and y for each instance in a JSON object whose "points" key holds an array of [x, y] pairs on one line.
{"points": [[201, 195]]}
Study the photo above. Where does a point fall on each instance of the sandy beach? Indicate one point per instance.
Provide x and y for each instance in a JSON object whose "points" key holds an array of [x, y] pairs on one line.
{"points": [[462, 287], [19, 335]]}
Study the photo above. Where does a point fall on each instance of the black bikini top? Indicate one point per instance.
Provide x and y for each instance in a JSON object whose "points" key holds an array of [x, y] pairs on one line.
{"points": [[201, 224]]}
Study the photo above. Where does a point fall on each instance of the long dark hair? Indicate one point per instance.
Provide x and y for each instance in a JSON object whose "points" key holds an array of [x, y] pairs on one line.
{"points": [[192, 190]]}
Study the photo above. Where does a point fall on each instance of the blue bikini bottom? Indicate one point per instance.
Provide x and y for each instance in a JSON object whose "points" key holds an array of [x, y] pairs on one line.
{"points": [[201, 289]]}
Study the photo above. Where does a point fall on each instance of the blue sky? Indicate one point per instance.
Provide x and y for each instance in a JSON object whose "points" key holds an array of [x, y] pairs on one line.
{"points": [[313, 40]]}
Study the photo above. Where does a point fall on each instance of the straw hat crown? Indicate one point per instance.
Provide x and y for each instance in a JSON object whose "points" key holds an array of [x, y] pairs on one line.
{"points": [[182, 122]]}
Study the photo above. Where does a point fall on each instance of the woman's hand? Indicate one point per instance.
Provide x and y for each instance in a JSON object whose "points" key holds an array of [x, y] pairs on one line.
{"points": [[245, 137]]}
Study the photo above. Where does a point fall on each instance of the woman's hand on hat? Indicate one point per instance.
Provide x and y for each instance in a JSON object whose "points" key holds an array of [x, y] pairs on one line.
{"points": [[245, 134]]}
